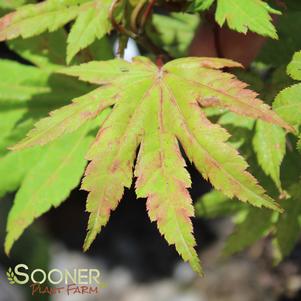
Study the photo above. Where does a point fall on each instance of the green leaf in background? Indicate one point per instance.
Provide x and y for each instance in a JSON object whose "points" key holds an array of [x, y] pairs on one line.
{"points": [[244, 15], [288, 226], [215, 204], [91, 21], [241, 15], [288, 102], [280, 52], [28, 93], [48, 182], [18, 85], [174, 32], [269, 145], [20, 163], [47, 50], [294, 68], [255, 224], [199, 5]]}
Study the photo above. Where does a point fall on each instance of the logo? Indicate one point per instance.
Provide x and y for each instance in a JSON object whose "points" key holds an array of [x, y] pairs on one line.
{"points": [[10, 276], [56, 281]]}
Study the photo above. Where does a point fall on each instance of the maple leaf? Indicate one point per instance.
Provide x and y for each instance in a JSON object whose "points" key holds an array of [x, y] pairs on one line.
{"points": [[158, 109], [288, 102], [242, 15], [47, 183], [91, 21], [215, 204], [269, 145], [43, 175]]}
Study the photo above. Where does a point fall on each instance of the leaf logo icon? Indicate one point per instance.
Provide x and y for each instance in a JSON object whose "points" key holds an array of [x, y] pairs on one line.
{"points": [[10, 276]]}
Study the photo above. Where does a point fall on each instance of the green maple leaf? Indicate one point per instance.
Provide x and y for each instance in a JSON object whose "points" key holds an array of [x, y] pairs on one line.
{"points": [[253, 225], [91, 21], [288, 225], [174, 32], [48, 182], [199, 5], [157, 109], [288, 102], [269, 145], [288, 105], [242, 15], [215, 204]]}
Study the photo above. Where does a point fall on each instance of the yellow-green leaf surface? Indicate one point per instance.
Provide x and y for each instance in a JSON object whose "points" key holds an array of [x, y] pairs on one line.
{"points": [[20, 163], [157, 109], [244, 15], [48, 182], [215, 204], [47, 51], [288, 102], [269, 145], [27, 94], [33, 19], [294, 68], [92, 23]]}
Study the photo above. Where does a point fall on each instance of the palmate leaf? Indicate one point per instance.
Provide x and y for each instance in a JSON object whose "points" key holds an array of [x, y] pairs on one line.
{"points": [[269, 145], [288, 102], [158, 108], [242, 15], [48, 182], [27, 94], [45, 175], [91, 21]]}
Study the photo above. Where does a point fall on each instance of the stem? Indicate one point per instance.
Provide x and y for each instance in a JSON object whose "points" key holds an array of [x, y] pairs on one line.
{"points": [[135, 15], [143, 40], [160, 61], [116, 25], [147, 13]]}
